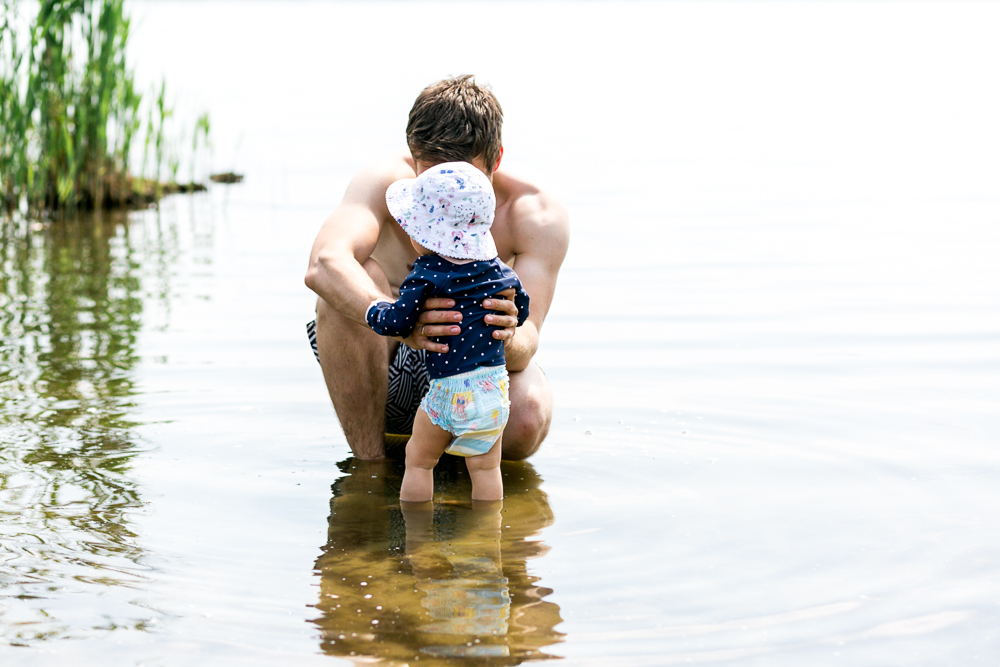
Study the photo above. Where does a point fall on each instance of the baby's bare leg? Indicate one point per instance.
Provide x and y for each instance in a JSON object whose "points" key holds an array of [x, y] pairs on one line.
{"points": [[485, 473], [425, 447]]}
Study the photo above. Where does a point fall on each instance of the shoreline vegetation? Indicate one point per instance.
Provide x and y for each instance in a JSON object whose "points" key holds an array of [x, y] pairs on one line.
{"points": [[71, 119]]}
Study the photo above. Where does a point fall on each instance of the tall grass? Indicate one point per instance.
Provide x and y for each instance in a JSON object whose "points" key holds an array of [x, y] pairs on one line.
{"points": [[70, 111]]}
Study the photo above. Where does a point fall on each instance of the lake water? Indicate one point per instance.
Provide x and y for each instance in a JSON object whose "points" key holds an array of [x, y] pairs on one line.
{"points": [[775, 351]]}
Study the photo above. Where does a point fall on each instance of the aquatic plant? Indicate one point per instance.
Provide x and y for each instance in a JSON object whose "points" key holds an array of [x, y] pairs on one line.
{"points": [[70, 111]]}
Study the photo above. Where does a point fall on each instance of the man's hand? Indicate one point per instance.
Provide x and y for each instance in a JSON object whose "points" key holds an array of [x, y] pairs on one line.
{"points": [[436, 320], [503, 303]]}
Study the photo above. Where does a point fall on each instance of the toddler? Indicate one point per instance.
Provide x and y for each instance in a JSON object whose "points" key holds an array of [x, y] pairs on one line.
{"points": [[447, 212]]}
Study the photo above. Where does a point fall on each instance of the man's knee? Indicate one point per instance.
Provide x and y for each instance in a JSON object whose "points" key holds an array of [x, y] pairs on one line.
{"points": [[530, 416], [353, 357], [333, 326], [525, 431], [355, 363], [340, 337]]}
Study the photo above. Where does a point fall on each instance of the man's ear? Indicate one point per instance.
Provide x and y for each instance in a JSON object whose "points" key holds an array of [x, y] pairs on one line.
{"points": [[499, 157]]}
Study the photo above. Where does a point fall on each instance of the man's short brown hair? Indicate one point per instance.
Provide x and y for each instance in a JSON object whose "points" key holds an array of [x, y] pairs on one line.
{"points": [[455, 120]]}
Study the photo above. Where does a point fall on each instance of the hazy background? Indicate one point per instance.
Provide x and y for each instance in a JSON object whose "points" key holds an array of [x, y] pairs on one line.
{"points": [[775, 343]]}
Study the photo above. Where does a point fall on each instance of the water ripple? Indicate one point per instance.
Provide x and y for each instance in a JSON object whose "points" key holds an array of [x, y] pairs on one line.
{"points": [[69, 313]]}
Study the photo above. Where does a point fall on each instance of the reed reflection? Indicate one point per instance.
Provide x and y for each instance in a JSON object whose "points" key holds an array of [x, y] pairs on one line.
{"points": [[70, 312], [446, 583]]}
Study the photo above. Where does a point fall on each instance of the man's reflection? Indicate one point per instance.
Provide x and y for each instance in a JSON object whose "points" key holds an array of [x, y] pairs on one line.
{"points": [[434, 583]]}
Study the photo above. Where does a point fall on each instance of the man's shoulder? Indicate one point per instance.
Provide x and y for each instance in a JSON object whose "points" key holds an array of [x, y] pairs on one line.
{"points": [[381, 173], [533, 214]]}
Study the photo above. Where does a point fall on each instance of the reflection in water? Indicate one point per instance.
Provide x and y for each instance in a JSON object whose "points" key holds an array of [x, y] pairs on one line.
{"points": [[69, 313], [446, 583]]}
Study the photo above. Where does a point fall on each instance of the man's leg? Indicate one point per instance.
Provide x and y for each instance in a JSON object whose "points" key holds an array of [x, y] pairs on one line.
{"points": [[530, 413], [355, 362]]}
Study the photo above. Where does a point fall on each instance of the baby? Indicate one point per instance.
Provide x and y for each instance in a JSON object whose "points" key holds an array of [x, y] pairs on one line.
{"points": [[447, 211]]}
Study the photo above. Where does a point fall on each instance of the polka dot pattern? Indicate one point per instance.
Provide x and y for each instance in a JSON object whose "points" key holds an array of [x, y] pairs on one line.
{"points": [[468, 285]]}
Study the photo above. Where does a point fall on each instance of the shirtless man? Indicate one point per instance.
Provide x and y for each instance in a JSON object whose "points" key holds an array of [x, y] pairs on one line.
{"points": [[361, 255]]}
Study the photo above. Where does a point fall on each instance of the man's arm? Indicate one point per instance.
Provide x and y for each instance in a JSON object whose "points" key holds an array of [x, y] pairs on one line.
{"points": [[345, 241], [540, 243], [399, 318]]}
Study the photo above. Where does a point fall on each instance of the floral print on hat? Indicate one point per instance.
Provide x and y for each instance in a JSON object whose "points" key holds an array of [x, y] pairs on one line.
{"points": [[447, 209]]}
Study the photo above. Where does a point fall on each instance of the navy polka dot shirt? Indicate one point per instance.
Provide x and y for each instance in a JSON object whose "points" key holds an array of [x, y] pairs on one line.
{"points": [[468, 285]]}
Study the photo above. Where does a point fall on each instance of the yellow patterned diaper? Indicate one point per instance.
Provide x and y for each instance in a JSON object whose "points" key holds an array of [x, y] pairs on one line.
{"points": [[473, 406]]}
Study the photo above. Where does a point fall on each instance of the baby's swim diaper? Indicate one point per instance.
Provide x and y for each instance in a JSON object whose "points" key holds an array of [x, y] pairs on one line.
{"points": [[472, 406]]}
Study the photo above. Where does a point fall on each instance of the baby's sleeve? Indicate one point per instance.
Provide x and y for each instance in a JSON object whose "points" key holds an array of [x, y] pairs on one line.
{"points": [[521, 300], [398, 319]]}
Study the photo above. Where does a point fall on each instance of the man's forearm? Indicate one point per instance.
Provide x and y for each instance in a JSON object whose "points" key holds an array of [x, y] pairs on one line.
{"points": [[345, 284], [522, 347]]}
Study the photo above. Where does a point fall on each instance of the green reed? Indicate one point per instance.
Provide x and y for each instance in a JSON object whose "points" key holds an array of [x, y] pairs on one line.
{"points": [[70, 111]]}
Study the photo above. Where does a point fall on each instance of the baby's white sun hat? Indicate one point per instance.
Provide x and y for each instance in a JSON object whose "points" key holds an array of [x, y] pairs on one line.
{"points": [[447, 209]]}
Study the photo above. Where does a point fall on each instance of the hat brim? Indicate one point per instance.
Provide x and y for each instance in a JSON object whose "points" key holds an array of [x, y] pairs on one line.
{"points": [[399, 198], [407, 204], [485, 250]]}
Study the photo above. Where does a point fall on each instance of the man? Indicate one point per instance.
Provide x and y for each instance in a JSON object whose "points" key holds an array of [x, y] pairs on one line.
{"points": [[361, 255]]}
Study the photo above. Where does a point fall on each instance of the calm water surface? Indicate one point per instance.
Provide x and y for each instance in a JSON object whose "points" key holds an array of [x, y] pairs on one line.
{"points": [[775, 349]]}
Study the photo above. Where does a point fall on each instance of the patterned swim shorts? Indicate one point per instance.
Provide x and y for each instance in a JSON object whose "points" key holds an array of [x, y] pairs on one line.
{"points": [[472, 406], [408, 380]]}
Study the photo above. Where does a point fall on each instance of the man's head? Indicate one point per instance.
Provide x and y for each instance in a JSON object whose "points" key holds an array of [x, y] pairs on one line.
{"points": [[456, 120]]}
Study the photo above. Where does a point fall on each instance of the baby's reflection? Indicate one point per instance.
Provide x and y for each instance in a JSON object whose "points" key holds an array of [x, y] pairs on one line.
{"points": [[434, 583]]}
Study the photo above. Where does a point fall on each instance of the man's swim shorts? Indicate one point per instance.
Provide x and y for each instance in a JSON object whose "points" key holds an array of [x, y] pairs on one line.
{"points": [[408, 381], [472, 406]]}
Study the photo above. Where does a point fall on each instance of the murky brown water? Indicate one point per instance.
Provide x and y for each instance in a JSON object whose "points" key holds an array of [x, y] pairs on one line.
{"points": [[774, 349], [70, 311], [444, 584]]}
